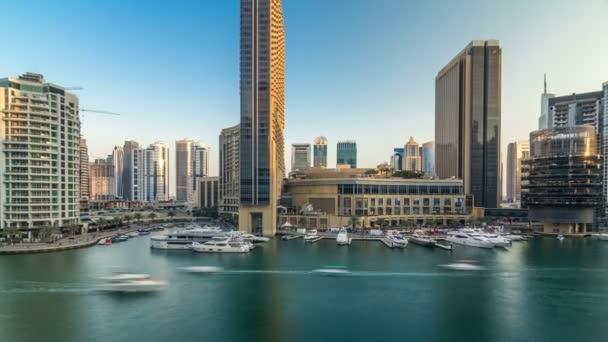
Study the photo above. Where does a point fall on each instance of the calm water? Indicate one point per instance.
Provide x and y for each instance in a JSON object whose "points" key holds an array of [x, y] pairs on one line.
{"points": [[538, 290]]}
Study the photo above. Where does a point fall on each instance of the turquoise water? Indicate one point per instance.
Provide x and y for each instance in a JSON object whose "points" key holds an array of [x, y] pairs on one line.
{"points": [[539, 290]]}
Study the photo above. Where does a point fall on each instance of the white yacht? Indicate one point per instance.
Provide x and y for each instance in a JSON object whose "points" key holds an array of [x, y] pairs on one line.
{"points": [[131, 282], [221, 246], [603, 236], [515, 237], [422, 240], [497, 240], [469, 238], [560, 237], [397, 240], [462, 266], [342, 238], [166, 242], [133, 234], [254, 238], [311, 235]]}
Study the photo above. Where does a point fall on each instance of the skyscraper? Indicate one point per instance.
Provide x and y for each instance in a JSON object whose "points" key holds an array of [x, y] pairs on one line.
{"points": [[346, 153], [127, 169], [230, 171], [102, 180], [39, 154], [191, 164], [262, 90], [516, 151], [300, 157], [320, 152], [84, 173], [428, 158], [543, 120], [117, 166], [150, 177], [412, 160], [467, 120], [397, 158]]}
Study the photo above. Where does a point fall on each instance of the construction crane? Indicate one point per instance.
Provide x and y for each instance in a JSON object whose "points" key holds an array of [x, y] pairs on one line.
{"points": [[105, 112]]}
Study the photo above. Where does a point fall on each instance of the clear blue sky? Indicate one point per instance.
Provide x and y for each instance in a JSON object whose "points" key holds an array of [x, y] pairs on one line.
{"points": [[355, 69]]}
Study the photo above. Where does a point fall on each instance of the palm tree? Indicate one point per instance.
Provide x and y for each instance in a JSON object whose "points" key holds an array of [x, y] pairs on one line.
{"points": [[354, 220], [128, 218], [137, 216], [171, 214], [72, 228], [101, 223], [380, 222], [152, 216]]}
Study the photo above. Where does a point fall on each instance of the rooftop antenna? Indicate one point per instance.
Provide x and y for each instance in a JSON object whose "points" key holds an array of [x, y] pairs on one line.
{"points": [[545, 83]]}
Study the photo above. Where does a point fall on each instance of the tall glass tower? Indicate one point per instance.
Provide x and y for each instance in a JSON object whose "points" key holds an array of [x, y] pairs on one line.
{"points": [[262, 69], [467, 120], [347, 153], [320, 152]]}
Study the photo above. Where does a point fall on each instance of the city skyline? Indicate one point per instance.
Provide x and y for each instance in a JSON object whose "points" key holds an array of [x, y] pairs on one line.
{"points": [[208, 101]]}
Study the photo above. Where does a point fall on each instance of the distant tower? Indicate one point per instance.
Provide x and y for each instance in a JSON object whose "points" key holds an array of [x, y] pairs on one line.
{"points": [[543, 120], [411, 157], [320, 152]]}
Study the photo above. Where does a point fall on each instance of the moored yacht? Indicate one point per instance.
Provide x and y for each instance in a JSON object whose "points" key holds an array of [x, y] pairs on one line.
{"points": [[515, 237], [422, 240], [342, 238], [497, 240], [221, 246], [311, 235], [165, 242], [469, 238], [397, 240], [254, 238]]}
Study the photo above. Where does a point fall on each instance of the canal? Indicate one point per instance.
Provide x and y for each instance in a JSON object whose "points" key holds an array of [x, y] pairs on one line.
{"points": [[538, 290]]}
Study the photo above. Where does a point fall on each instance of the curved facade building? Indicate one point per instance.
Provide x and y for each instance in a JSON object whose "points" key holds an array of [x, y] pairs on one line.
{"points": [[562, 180]]}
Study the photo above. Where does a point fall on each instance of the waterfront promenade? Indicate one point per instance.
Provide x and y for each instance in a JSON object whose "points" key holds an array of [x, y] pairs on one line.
{"points": [[69, 242]]}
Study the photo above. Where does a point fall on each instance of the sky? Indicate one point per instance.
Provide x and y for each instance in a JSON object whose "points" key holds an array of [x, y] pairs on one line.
{"points": [[355, 69]]}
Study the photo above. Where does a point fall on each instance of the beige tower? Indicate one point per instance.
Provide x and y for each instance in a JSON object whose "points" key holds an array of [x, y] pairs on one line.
{"points": [[411, 156], [262, 158]]}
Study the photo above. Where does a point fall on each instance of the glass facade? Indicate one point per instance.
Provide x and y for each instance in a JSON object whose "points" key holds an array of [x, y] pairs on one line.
{"points": [[467, 121], [320, 152], [262, 60], [347, 153]]}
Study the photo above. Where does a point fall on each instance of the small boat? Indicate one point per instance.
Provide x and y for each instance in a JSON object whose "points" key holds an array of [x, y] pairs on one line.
{"points": [[133, 234], [342, 238], [311, 235], [603, 236], [422, 240], [202, 269], [143, 231], [332, 270], [462, 266], [123, 238], [106, 241], [560, 237], [221, 246], [396, 240], [132, 282]]}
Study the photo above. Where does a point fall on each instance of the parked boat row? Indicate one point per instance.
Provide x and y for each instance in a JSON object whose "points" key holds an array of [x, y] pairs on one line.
{"points": [[207, 240]]}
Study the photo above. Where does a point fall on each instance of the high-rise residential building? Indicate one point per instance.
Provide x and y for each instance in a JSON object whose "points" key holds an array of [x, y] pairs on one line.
{"points": [[467, 120], [543, 120], [150, 177], [117, 167], [320, 152], [412, 161], [40, 155], [127, 168], [84, 173], [300, 157], [346, 153], [584, 109], [428, 158], [230, 172], [516, 151], [207, 192], [262, 90], [191, 164], [102, 180], [396, 161], [562, 179]]}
